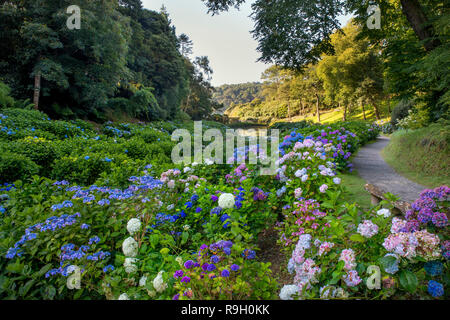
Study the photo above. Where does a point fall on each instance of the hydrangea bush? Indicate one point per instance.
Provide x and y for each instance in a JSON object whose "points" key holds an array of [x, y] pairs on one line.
{"points": [[113, 226]]}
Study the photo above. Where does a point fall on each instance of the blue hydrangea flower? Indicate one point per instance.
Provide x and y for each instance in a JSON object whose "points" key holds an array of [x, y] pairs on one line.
{"points": [[435, 288], [434, 268], [234, 267], [108, 267]]}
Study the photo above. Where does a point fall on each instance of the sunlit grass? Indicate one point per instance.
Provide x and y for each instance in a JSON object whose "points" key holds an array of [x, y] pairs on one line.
{"points": [[336, 115]]}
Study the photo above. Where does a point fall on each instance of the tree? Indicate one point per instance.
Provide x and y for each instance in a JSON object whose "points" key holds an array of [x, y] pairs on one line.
{"points": [[70, 67], [290, 33], [293, 33], [155, 61], [296, 28], [354, 72], [185, 44]]}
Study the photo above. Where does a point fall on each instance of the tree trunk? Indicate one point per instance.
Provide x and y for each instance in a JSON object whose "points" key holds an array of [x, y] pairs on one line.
{"points": [[345, 111], [377, 112], [37, 89], [289, 111], [420, 23], [317, 108], [363, 110]]}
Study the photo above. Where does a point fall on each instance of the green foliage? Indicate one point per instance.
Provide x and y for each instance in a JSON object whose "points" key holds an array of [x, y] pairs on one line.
{"points": [[72, 75], [400, 111], [15, 166], [124, 58], [229, 94], [5, 99], [411, 64]]}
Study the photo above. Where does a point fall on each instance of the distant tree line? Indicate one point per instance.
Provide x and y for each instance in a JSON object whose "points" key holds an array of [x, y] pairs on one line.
{"points": [[241, 93]]}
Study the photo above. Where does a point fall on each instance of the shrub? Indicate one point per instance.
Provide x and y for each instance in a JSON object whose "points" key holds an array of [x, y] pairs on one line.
{"points": [[400, 111], [39, 150], [82, 169], [5, 99], [16, 167]]}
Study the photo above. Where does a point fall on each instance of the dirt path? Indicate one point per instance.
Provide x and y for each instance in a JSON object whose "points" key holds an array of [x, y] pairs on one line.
{"points": [[372, 168]]}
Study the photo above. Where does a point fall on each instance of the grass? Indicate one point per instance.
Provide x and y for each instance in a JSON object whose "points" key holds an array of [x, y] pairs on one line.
{"points": [[355, 191], [421, 155], [336, 115]]}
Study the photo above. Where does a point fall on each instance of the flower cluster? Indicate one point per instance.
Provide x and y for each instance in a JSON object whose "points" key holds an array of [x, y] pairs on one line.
{"points": [[213, 269], [426, 209], [411, 244], [367, 229]]}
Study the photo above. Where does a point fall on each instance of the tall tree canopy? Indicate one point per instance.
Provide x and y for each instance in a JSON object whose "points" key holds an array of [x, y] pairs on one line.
{"points": [[414, 39], [123, 59]]}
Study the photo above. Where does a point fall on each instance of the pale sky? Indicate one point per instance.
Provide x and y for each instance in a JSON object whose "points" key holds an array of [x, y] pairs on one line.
{"points": [[224, 38]]}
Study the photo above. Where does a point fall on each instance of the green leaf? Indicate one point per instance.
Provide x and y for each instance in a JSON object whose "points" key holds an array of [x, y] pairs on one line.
{"points": [[357, 238], [408, 281], [15, 267], [43, 270], [336, 277], [49, 292], [387, 262], [143, 249], [25, 288], [154, 240], [78, 294], [184, 237]]}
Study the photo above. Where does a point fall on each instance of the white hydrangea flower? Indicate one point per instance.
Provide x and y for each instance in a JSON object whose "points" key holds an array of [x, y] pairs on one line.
{"points": [[133, 225], [186, 169], [130, 247], [143, 281], [384, 212], [129, 265], [209, 162], [226, 201], [287, 291], [179, 260], [74, 280], [158, 282], [123, 296], [337, 180]]}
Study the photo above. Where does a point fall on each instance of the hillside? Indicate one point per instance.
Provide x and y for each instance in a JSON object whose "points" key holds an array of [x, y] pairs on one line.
{"points": [[228, 94]]}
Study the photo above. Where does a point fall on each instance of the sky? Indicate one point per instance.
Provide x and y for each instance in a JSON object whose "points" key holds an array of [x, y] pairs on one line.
{"points": [[224, 38]]}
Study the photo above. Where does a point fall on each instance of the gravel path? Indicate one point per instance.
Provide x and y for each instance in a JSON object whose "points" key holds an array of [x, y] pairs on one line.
{"points": [[372, 168]]}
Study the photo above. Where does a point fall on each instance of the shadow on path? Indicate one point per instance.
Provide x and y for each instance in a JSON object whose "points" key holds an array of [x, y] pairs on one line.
{"points": [[372, 168]]}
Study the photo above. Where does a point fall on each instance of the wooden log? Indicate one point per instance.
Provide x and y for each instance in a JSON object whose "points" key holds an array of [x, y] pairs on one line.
{"points": [[377, 194]]}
